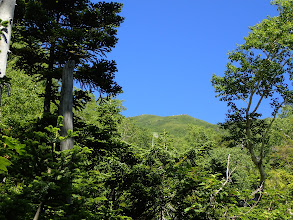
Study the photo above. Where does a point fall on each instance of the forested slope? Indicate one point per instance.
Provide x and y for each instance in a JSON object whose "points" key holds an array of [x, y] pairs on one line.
{"points": [[146, 167], [117, 171], [176, 125]]}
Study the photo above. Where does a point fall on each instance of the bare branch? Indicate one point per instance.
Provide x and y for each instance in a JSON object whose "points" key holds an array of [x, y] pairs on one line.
{"points": [[240, 97], [251, 96], [250, 102], [258, 104], [228, 178]]}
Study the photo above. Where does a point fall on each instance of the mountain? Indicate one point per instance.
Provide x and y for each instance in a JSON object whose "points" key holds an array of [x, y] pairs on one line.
{"points": [[175, 125]]}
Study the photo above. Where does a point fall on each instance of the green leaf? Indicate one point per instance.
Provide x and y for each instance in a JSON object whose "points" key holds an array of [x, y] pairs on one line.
{"points": [[14, 144], [4, 163]]}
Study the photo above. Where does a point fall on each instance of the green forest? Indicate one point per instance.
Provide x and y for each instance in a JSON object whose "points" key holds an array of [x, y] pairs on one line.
{"points": [[145, 167]]}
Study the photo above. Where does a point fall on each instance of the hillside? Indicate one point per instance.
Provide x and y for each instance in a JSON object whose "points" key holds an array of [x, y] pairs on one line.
{"points": [[175, 125]]}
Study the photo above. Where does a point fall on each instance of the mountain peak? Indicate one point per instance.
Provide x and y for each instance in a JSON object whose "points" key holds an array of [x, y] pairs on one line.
{"points": [[176, 124]]}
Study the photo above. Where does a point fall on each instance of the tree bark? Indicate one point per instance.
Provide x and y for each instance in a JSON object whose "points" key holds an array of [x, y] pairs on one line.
{"points": [[6, 14], [48, 96], [258, 162], [38, 212], [66, 103]]}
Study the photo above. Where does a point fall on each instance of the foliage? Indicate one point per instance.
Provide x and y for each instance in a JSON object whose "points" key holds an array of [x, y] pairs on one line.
{"points": [[112, 179], [10, 150], [77, 30], [132, 134], [142, 130], [175, 125], [22, 99], [257, 72], [145, 167]]}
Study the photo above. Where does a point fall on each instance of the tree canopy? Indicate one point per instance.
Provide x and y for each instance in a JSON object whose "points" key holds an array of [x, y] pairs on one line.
{"points": [[259, 70], [67, 30], [144, 167]]}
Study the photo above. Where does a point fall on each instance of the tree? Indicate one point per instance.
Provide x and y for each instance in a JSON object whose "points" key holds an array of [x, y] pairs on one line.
{"points": [[76, 30], [134, 135], [22, 100], [6, 18], [66, 104], [258, 72]]}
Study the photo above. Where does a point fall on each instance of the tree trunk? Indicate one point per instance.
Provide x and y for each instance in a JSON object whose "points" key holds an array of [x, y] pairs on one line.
{"points": [[262, 173], [6, 14], [65, 109], [258, 162], [48, 96], [66, 102], [38, 212]]}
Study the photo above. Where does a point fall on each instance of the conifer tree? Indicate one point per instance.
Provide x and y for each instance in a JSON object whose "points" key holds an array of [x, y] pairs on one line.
{"points": [[77, 30]]}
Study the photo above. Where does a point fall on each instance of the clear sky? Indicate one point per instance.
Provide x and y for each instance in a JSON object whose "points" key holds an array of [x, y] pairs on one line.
{"points": [[168, 51]]}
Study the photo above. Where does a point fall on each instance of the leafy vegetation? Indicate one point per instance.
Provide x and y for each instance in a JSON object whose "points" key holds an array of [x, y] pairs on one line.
{"points": [[257, 70], [176, 125], [77, 30], [145, 167]]}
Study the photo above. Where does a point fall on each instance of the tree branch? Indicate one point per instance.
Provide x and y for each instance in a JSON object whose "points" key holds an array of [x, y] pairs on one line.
{"points": [[268, 129], [240, 97], [228, 178], [286, 61], [259, 101]]}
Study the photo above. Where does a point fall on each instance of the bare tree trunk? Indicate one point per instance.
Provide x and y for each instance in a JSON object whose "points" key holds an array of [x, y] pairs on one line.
{"points": [[48, 96], [65, 109], [6, 14], [66, 103], [38, 212]]}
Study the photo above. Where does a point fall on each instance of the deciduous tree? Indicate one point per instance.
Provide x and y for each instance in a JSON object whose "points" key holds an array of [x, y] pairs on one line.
{"points": [[6, 19], [259, 72]]}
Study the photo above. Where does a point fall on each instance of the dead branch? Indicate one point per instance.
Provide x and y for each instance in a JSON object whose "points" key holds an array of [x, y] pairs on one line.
{"points": [[228, 179]]}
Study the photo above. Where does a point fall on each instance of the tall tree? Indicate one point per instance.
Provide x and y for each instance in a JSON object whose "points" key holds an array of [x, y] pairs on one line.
{"points": [[66, 104], [258, 72], [77, 30], [6, 18]]}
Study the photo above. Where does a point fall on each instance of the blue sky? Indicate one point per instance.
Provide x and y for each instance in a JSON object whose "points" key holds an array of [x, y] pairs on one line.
{"points": [[168, 51]]}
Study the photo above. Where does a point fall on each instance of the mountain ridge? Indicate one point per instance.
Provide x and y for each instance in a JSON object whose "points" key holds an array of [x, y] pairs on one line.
{"points": [[176, 124]]}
